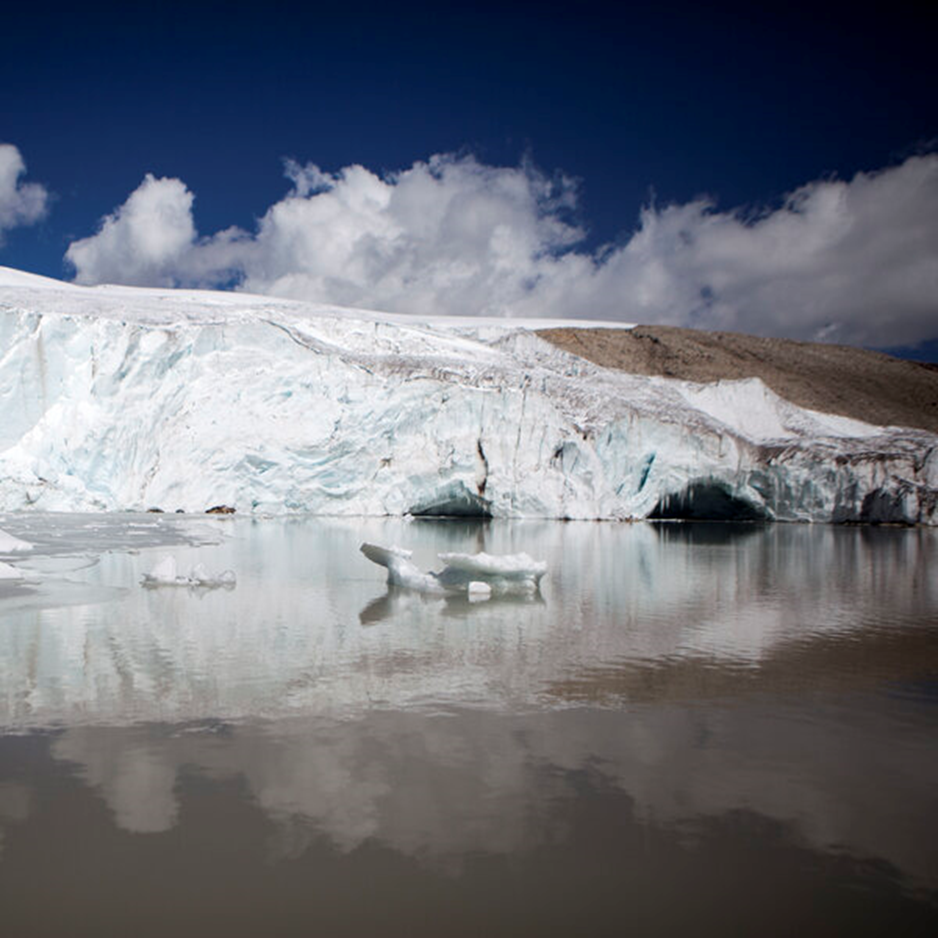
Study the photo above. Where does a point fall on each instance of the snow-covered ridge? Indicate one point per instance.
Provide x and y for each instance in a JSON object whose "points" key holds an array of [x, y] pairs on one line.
{"points": [[165, 306], [128, 398]]}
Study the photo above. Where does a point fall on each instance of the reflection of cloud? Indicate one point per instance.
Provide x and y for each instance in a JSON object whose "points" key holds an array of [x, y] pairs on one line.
{"points": [[330, 780], [135, 781], [15, 802], [439, 788]]}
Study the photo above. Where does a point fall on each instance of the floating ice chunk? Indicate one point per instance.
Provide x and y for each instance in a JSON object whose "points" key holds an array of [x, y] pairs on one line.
{"points": [[165, 574], [512, 573], [198, 576], [198, 573], [384, 556], [507, 567], [508, 574], [401, 572], [12, 545], [478, 591], [8, 572]]}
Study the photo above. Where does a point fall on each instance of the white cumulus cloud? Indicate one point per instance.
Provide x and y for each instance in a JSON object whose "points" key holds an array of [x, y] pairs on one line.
{"points": [[446, 236], [853, 261], [143, 242], [21, 203]]}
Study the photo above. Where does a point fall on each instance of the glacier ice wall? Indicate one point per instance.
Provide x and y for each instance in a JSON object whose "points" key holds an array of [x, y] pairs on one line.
{"points": [[131, 399]]}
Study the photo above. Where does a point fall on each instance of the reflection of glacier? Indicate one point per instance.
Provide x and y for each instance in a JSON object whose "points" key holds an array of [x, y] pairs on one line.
{"points": [[311, 627], [118, 398]]}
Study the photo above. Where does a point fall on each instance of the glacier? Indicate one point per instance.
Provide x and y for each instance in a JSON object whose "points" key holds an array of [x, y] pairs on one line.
{"points": [[123, 398]]}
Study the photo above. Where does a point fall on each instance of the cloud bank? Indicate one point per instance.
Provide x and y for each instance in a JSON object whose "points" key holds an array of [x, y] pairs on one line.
{"points": [[20, 203], [850, 261]]}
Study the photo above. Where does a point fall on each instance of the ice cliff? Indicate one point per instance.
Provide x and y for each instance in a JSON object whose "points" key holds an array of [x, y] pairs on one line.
{"points": [[123, 398]]}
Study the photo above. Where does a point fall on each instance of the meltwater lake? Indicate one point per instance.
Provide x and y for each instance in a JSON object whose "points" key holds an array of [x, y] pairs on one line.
{"points": [[693, 729]]}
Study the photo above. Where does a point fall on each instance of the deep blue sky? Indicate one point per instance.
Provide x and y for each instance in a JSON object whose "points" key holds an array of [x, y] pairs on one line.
{"points": [[742, 105], [686, 99]]}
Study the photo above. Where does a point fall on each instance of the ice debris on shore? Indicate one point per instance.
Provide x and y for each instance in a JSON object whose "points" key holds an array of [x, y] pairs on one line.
{"points": [[165, 574], [478, 575]]}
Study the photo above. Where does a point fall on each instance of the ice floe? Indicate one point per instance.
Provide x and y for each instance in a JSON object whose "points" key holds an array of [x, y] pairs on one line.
{"points": [[478, 575], [165, 573]]}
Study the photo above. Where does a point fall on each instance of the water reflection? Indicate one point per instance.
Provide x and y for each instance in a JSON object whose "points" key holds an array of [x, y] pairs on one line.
{"points": [[311, 627], [15, 801], [443, 787], [398, 604], [766, 693]]}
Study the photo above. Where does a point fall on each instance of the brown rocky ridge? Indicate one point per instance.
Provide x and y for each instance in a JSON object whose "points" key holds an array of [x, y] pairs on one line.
{"points": [[836, 379]]}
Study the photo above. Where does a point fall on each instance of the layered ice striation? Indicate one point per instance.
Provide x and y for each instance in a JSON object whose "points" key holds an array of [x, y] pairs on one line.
{"points": [[120, 398]]}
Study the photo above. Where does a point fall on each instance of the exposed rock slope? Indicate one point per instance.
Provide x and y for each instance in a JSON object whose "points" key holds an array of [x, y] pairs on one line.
{"points": [[838, 379]]}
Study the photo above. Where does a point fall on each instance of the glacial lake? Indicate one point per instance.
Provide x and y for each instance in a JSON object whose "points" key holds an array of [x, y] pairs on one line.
{"points": [[693, 729]]}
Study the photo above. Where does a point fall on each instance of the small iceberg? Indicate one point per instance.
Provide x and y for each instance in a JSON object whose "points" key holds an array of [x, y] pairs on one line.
{"points": [[12, 545], [479, 591], [479, 576], [165, 574]]}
